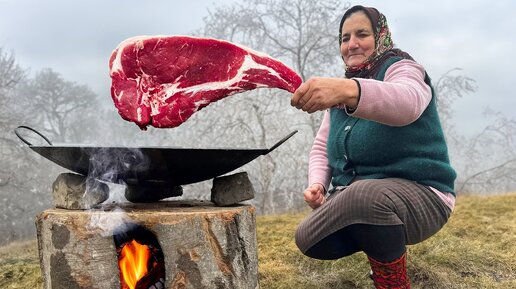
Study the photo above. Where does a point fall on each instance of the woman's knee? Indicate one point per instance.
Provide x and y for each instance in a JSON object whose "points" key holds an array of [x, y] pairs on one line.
{"points": [[334, 246], [368, 197]]}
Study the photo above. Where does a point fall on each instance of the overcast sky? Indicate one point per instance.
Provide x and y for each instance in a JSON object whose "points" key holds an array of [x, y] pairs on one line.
{"points": [[76, 38]]}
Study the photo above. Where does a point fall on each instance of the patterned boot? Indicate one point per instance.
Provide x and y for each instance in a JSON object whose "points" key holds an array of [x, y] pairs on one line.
{"points": [[392, 275]]}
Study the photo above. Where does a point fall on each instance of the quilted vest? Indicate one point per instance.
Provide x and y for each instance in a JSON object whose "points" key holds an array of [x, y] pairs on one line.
{"points": [[363, 149]]}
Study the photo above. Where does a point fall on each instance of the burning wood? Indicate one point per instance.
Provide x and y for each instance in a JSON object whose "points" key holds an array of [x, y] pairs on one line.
{"points": [[140, 258], [133, 260], [139, 266]]}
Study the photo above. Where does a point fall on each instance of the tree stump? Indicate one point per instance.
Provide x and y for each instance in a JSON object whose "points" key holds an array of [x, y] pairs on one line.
{"points": [[203, 246]]}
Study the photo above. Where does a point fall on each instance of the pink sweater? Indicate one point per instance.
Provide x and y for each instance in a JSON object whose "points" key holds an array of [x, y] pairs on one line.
{"points": [[404, 97]]}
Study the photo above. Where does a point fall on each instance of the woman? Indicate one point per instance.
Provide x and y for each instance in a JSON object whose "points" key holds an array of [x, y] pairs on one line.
{"points": [[382, 148]]}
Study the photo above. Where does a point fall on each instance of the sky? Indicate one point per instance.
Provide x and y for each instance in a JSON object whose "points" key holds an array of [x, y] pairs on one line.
{"points": [[76, 38]]}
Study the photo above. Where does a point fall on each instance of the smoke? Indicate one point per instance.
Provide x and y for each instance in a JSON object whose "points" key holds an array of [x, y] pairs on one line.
{"points": [[111, 167], [116, 164], [116, 194], [108, 223]]}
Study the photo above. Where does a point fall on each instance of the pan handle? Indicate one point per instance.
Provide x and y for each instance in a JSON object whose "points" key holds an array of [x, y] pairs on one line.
{"points": [[281, 142], [17, 132]]}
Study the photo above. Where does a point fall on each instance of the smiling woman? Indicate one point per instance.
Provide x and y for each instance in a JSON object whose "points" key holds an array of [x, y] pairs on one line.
{"points": [[382, 147], [357, 40]]}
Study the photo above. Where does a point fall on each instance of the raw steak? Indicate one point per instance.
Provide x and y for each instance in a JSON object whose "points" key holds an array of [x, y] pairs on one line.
{"points": [[162, 80]]}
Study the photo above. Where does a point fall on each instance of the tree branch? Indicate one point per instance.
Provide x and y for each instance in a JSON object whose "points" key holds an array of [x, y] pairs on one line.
{"points": [[485, 171]]}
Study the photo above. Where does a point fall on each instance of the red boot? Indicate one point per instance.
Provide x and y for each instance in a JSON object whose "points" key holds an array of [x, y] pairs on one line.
{"points": [[392, 275]]}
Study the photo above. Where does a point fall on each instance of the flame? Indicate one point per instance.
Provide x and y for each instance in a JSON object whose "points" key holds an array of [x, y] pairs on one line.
{"points": [[133, 262]]}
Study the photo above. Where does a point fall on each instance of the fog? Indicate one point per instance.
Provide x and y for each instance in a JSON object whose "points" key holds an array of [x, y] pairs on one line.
{"points": [[62, 49], [76, 39]]}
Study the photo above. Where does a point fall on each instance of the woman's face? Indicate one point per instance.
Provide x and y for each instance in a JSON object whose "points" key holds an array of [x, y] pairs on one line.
{"points": [[357, 39]]}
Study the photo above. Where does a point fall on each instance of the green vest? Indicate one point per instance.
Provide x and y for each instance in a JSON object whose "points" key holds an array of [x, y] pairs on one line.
{"points": [[363, 149]]}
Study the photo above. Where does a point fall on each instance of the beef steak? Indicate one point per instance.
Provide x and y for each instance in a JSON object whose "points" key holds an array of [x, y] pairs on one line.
{"points": [[162, 80]]}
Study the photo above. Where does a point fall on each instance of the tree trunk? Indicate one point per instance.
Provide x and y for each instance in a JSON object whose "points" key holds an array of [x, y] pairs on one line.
{"points": [[203, 246]]}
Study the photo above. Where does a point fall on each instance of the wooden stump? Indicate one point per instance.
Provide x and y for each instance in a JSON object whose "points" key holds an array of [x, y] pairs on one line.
{"points": [[204, 246]]}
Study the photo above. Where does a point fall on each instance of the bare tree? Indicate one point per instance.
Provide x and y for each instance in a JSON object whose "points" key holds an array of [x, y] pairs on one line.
{"points": [[451, 86], [304, 35], [55, 107], [490, 157], [11, 74], [60, 106], [15, 161], [485, 162]]}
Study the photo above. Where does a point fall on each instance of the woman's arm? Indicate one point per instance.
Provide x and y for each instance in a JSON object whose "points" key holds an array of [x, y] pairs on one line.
{"points": [[318, 168], [398, 100]]}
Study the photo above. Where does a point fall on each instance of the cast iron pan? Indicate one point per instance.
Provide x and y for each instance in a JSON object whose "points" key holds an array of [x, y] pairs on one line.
{"points": [[137, 165]]}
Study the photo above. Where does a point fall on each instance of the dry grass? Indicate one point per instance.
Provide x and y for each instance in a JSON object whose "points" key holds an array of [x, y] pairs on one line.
{"points": [[19, 266], [476, 249]]}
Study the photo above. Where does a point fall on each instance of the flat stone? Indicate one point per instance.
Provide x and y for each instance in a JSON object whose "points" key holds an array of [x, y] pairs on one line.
{"points": [[232, 189], [77, 192]]}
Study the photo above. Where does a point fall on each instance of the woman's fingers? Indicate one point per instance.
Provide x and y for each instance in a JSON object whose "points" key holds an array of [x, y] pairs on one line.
{"points": [[303, 97], [310, 195], [317, 202], [314, 196], [312, 105], [313, 95], [300, 96]]}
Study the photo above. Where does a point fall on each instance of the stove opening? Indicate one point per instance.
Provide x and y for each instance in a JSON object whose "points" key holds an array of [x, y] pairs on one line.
{"points": [[140, 258]]}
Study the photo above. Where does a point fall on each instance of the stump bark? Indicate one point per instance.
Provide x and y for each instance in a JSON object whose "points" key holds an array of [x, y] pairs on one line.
{"points": [[204, 246]]}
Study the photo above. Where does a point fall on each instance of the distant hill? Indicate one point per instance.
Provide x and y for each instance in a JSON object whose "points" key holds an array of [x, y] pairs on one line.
{"points": [[476, 249]]}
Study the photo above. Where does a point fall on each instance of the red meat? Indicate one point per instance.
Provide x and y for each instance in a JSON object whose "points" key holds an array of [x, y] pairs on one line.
{"points": [[162, 80]]}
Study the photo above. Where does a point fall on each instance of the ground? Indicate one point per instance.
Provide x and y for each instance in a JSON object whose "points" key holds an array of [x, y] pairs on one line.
{"points": [[476, 249]]}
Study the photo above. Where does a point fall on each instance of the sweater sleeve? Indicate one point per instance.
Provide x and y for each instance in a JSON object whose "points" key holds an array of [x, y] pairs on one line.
{"points": [[399, 99], [318, 167]]}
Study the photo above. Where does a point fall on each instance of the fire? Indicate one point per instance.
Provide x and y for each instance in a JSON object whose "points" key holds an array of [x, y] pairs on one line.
{"points": [[133, 262]]}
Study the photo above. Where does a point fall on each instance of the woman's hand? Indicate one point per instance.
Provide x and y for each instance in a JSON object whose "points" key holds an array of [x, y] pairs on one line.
{"points": [[320, 93], [314, 195]]}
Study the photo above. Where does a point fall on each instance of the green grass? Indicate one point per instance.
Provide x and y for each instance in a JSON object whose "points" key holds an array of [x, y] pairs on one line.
{"points": [[476, 249]]}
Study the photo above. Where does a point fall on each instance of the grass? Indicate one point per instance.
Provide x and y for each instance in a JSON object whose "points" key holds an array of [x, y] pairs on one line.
{"points": [[476, 249], [19, 266]]}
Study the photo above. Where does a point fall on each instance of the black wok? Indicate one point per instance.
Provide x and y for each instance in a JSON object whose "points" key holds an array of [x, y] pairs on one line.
{"points": [[137, 165]]}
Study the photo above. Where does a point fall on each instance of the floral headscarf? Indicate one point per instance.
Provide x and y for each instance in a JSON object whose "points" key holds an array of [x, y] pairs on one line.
{"points": [[384, 46]]}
